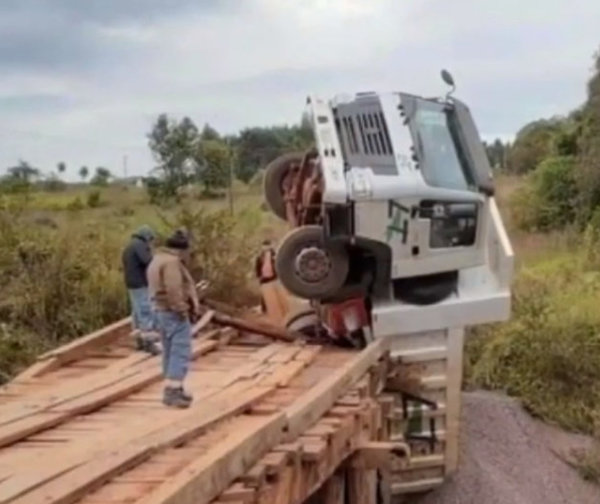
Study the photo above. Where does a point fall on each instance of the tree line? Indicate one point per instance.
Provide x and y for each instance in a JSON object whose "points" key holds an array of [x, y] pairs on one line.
{"points": [[24, 175], [186, 154], [560, 157]]}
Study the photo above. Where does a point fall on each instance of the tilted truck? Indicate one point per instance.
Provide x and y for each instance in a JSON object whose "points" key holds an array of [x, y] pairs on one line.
{"points": [[396, 234], [396, 247]]}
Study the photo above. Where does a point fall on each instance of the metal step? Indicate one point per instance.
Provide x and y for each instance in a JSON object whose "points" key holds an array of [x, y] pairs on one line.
{"points": [[434, 382], [425, 462], [440, 411], [421, 354], [415, 486]]}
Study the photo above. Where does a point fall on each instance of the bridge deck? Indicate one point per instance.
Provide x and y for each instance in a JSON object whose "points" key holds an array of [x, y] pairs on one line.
{"points": [[86, 423]]}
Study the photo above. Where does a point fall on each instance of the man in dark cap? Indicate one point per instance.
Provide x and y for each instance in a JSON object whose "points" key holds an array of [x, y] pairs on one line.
{"points": [[135, 258], [173, 292]]}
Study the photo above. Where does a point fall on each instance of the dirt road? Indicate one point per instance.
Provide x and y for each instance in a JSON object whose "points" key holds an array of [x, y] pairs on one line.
{"points": [[509, 458]]}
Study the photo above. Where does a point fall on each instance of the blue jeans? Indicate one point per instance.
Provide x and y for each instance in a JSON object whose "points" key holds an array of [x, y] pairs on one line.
{"points": [[176, 334], [141, 310]]}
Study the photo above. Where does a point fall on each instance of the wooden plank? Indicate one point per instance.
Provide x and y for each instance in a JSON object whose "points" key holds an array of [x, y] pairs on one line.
{"points": [[209, 475], [238, 493], [384, 455], [97, 380], [70, 487], [203, 322], [275, 462], [313, 449], [57, 395], [90, 402], [253, 326], [256, 476], [28, 482], [314, 403], [453, 396], [77, 348]]}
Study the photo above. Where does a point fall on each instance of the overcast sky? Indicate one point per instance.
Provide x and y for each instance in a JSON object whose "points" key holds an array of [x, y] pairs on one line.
{"points": [[82, 80]]}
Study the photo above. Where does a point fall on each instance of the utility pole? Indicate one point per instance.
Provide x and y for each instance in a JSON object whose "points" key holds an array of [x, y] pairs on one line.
{"points": [[125, 166], [231, 159]]}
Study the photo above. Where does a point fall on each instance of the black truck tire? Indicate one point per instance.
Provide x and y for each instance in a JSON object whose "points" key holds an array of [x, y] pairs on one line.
{"points": [[333, 270], [275, 172]]}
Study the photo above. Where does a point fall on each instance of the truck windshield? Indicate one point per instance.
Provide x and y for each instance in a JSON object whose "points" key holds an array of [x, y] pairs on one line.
{"points": [[442, 160]]}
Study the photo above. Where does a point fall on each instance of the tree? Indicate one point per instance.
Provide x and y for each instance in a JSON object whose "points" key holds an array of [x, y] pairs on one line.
{"points": [[497, 152], [24, 172], [209, 133], [213, 164], [84, 172], [588, 152], [61, 167], [174, 146], [101, 176], [533, 144], [256, 147]]}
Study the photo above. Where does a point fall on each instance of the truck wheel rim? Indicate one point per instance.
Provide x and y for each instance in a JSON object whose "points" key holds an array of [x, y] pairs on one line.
{"points": [[313, 265]]}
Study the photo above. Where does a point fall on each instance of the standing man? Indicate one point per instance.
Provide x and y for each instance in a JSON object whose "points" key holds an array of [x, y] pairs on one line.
{"points": [[136, 258], [174, 295]]}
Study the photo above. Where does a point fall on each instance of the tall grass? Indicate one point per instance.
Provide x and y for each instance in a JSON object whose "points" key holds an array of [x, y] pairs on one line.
{"points": [[61, 269]]}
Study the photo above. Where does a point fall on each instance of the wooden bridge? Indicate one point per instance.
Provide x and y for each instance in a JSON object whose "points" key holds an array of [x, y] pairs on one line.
{"points": [[271, 422]]}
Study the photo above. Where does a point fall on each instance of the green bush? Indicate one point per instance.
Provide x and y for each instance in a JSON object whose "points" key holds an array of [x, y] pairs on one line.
{"points": [[548, 354], [75, 205], [223, 249], [94, 199], [549, 198]]}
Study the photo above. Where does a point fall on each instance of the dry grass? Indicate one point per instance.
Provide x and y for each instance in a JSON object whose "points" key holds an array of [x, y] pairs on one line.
{"points": [[60, 263]]}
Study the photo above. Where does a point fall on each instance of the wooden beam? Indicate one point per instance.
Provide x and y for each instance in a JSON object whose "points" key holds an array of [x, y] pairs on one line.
{"points": [[253, 326], [73, 485], [90, 401], [314, 403], [210, 474], [333, 491], [385, 455], [454, 368]]}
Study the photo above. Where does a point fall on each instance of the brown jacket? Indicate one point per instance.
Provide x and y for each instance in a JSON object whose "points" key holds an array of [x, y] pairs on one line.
{"points": [[171, 285]]}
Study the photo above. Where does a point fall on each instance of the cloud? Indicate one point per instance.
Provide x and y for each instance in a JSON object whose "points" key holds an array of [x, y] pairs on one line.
{"points": [[83, 81]]}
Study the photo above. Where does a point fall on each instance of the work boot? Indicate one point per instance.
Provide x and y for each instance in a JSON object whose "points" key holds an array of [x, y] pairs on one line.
{"points": [[153, 347], [176, 397], [148, 342]]}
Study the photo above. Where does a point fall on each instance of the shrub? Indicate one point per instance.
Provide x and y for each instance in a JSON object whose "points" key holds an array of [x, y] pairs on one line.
{"points": [[549, 198], [548, 354], [94, 199], [75, 205], [223, 249]]}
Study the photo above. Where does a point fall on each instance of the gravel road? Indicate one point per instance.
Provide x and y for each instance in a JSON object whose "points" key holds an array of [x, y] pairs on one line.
{"points": [[507, 457]]}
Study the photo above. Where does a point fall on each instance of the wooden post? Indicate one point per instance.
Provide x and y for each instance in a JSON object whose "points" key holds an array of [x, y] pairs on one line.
{"points": [[333, 491], [360, 486], [453, 396]]}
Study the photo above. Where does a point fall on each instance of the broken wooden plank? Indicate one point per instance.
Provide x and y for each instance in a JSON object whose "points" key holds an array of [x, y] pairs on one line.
{"points": [[314, 403]]}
